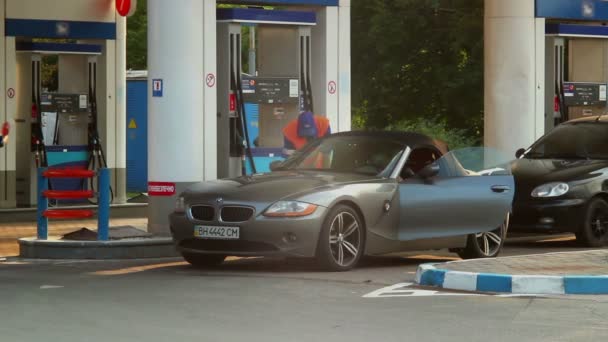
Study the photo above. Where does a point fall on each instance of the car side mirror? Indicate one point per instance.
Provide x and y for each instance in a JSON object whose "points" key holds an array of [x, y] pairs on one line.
{"points": [[429, 171], [275, 165], [520, 153]]}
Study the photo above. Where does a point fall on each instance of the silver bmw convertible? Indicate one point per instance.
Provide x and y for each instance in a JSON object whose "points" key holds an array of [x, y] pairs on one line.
{"points": [[348, 195]]}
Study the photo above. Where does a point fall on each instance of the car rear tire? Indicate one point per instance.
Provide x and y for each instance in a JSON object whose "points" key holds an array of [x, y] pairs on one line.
{"points": [[594, 231], [203, 260], [485, 245], [342, 240]]}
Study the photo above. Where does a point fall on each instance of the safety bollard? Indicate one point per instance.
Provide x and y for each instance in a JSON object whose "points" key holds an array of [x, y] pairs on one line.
{"points": [[43, 205], [103, 203]]}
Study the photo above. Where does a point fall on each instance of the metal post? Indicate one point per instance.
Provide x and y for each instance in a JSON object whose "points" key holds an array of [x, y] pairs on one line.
{"points": [[43, 205], [252, 52], [103, 203]]}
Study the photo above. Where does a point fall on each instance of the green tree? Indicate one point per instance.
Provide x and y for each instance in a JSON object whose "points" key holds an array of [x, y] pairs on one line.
{"points": [[416, 59], [137, 37]]}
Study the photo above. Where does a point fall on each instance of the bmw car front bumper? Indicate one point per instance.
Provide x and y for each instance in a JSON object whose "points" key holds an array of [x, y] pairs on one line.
{"points": [[260, 236]]}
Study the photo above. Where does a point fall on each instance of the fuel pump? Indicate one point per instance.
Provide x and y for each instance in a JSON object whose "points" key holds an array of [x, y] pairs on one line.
{"points": [[254, 109], [231, 106], [37, 145], [97, 158]]}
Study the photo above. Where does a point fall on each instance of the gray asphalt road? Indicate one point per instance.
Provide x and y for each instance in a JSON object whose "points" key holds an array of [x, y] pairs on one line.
{"points": [[274, 300]]}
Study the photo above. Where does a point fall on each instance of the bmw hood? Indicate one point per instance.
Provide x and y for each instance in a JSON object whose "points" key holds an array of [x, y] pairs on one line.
{"points": [[265, 188]]}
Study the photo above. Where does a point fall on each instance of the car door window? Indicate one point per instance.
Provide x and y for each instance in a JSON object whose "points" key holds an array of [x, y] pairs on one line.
{"points": [[419, 158]]}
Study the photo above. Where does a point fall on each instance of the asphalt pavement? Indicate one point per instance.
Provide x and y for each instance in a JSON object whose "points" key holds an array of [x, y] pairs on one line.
{"points": [[278, 300]]}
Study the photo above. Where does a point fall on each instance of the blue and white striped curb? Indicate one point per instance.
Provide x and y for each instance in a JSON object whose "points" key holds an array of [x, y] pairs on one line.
{"points": [[429, 275]]}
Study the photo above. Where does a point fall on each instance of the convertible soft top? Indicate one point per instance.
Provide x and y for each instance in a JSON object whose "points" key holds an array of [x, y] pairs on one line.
{"points": [[411, 139]]}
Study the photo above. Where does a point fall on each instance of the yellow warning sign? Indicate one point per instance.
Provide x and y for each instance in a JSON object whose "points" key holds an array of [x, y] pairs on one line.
{"points": [[132, 124]]}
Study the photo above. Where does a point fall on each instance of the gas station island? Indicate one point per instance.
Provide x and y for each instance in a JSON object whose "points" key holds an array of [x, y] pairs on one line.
{"points": [[224, 81]]}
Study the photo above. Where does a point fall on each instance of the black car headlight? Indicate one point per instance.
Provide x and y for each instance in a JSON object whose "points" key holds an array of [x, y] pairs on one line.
{"points": [[290, 209], [551, 190]]}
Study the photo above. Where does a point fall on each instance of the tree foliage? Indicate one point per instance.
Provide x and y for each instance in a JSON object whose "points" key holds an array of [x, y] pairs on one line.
{"points": [[416, 59], [137, 37], [411, 60]]}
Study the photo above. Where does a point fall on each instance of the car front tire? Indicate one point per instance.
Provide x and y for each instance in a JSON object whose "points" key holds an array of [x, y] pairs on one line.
{"points": [[203, 260], [594, 230], [487, 244], [342, 240]]}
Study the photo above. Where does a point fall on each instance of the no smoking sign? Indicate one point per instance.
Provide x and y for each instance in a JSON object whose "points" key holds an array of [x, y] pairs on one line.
{"points": [[10, 93], [332, 87], [210, 80]]}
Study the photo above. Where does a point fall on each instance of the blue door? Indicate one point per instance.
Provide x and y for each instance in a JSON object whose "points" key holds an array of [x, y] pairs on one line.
{"points": [[137, 136]]}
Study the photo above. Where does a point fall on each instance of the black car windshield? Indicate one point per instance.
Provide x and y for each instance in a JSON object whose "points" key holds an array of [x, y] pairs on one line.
{"points": [[364, 155], [573, 141]]}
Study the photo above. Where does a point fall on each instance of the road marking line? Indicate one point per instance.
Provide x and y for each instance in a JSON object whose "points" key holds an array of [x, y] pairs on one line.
{"points": [[404, 290], [49, 287]]}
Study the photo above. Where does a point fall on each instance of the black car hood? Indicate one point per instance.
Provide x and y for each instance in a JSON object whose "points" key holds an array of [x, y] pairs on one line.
{"points": [[540, 171], [267, 187]]}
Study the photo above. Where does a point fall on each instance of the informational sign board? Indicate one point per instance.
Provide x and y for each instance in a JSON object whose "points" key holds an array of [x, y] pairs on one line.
{"points": [[157, 88], [271, 90], [579, 94], [64, 103]]}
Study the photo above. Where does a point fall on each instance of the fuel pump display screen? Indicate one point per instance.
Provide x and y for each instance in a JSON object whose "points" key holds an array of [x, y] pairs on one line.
{"points": [[584, 94], [271, 90], [66, 119]]}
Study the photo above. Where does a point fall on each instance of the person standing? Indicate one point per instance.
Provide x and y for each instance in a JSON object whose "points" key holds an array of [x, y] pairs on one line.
{"points": [[304, 129], [4, 134]]}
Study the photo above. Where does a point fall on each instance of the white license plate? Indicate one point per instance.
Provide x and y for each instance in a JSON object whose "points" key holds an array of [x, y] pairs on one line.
{"points": [[220, 233]]}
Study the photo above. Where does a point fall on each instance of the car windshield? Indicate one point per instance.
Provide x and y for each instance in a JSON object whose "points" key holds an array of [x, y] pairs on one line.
{"points": [[573, 141], [363, 155]]}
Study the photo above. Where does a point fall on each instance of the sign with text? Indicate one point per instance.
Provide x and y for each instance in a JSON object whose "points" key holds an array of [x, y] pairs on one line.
{"points": [[584, 94], [161, 189]]}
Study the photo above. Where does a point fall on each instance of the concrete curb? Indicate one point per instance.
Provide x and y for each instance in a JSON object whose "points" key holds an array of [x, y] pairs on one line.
{"points": [[430, 275], [158, 247]]}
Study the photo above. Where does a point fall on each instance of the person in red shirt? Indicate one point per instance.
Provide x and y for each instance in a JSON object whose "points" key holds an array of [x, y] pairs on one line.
{"points": [[4, 134], [306, 128]]}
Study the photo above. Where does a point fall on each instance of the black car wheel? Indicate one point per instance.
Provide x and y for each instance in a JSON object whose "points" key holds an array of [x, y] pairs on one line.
{"points": [[487, 244], [203, 260], [341, 241], [594, 231]]}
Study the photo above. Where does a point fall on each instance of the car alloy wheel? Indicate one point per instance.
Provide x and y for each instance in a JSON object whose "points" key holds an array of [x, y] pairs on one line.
{"points": [[344, 239], [490, 242], [594, 232], [486, 244], [599, 224], [341, 242]]}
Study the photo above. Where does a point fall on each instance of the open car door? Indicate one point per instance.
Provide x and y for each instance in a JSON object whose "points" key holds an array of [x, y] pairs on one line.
{"points": [[464, 192]]}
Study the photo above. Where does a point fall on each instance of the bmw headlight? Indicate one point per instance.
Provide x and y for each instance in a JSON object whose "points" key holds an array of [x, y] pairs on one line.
{"points": [[551, 190], [180, 205], [290, 209]]}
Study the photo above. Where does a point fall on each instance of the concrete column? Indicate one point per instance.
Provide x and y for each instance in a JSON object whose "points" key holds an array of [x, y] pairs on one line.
{"points": [[210, 94], [512, 79], [175, 120], [344, 67], [325, 47], [120, 172]]}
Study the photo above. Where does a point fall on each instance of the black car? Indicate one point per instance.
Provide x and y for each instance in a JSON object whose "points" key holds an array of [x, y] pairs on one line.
{"points": [[562, 182]]}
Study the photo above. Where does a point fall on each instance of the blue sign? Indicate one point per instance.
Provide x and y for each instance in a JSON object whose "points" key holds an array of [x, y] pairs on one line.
{"points": [[591, 10], [157, 87]]}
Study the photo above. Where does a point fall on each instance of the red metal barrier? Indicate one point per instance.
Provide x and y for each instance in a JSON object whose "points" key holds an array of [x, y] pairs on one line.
{"points": [[61, 194], [68, 214], [68, 173]]}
